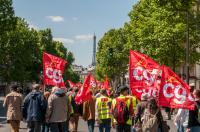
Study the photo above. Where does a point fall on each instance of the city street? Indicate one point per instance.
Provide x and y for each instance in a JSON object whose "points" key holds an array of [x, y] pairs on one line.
{"points": [[81, 128]]}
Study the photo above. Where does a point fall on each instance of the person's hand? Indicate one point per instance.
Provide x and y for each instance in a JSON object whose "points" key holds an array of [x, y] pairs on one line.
{"points": [[72, 119], [187, 130], [97, 120]]}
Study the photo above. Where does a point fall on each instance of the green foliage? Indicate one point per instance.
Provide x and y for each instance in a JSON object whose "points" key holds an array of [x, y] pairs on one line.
{"points": [[157, 28], [112, 57], [22, 48]]}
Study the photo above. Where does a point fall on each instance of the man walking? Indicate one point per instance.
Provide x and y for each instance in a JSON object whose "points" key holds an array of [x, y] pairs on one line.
{"points": [[13, 103], [57, 110], [123, 111], [34, 109], [103, 111]]}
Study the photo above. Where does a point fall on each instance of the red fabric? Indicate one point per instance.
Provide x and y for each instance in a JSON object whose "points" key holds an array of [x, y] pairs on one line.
{"points": [[174, 92], [143, 73], [84, 92], [106, 86], [71, 84], [53, 68]]}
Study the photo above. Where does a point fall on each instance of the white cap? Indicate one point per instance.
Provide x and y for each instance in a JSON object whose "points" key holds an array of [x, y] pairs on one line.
{"points": [[192, 84]]}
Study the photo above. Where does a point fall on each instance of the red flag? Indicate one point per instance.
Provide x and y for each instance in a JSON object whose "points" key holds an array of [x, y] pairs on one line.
{"points": [[71, 84], [174, 92], [53, 68], [106, 84], [93, 82], [143, 73], [84, 92]]}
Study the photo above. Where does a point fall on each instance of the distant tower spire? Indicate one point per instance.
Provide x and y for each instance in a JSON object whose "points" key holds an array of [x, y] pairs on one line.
{"points": [[94, 51]]}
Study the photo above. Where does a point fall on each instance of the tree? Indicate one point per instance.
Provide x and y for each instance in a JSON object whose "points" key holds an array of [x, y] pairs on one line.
{"points": [[112, 57], [160, 31]]}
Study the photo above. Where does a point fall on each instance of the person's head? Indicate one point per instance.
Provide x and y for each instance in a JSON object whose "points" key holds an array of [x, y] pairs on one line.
{"points": [[152, 106], [47, 94], [14, 88], [124, 90], [36, 87], [196, 94], [103, 92], [53, 90], [76, 90], [144, 97], [192, 87]]}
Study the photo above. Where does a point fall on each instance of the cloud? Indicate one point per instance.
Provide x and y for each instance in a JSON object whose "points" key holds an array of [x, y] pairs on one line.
{"points": [[64, 40], [84, 37], [75, 18], [56, 18]]}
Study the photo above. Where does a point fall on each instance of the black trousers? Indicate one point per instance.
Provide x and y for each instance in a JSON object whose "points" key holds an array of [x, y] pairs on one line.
{"points": [[123, 128], [57, 127]]}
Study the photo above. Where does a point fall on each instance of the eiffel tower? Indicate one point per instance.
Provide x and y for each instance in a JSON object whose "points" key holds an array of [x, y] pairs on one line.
{"points": [[94, 51]]}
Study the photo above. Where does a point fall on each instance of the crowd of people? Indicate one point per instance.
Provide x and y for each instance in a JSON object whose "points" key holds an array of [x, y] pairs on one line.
{"points": [[57, 111]]}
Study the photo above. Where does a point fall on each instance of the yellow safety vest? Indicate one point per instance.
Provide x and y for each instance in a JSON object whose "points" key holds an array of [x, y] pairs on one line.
{"points": [[134, 101], [104, 104], [128, 103]]}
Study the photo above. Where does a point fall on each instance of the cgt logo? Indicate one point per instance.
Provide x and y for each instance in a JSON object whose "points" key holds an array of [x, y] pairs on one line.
{"points": [[54, 74], [149, 92], [177, 93], [93, 84], [141, 74]]}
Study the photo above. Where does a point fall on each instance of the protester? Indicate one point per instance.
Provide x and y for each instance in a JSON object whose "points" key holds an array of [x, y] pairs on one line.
{"points": [[45, 125], [103, 111], [34, 109], [75, 112], [141, 106], [56, 113], [181, 120], [152, 118], [122, 111], [89, 113], [194, 115], [13, 103]]}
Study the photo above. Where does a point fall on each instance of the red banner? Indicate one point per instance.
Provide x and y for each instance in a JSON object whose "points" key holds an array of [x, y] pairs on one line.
{"points": [[106, 86], [71, 84], [174, 92], [53, 68], [84, 92], [143, 73]]}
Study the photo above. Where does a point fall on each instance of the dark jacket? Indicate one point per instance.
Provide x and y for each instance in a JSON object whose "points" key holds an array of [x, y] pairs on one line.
{"points": [[140, 111], [193, 116], [34, 107]]}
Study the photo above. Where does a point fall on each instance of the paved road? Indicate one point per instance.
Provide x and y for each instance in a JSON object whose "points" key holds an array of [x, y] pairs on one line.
{"points": [[81, 128]]}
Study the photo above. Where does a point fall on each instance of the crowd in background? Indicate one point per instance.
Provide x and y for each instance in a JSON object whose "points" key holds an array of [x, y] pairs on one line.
{"points": [[57, 111]]}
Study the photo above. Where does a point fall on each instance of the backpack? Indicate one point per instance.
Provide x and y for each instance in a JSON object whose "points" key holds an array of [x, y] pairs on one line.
{"points": [[150, 122], [198, 108], [121, 111]]}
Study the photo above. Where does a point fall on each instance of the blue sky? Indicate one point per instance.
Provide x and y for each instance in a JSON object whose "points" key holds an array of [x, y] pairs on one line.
{"points": [[74, 21]]}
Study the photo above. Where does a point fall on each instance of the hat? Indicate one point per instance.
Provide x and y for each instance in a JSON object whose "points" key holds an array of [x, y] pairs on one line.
{"points": [[144, 97], [191, 84], [123, 88]]}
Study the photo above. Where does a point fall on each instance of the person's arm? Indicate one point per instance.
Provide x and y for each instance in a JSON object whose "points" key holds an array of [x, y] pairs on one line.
{"points": [[178, 116], [24, 106], [96, 110], [137, 114], [5, 103], [49, 108]]}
